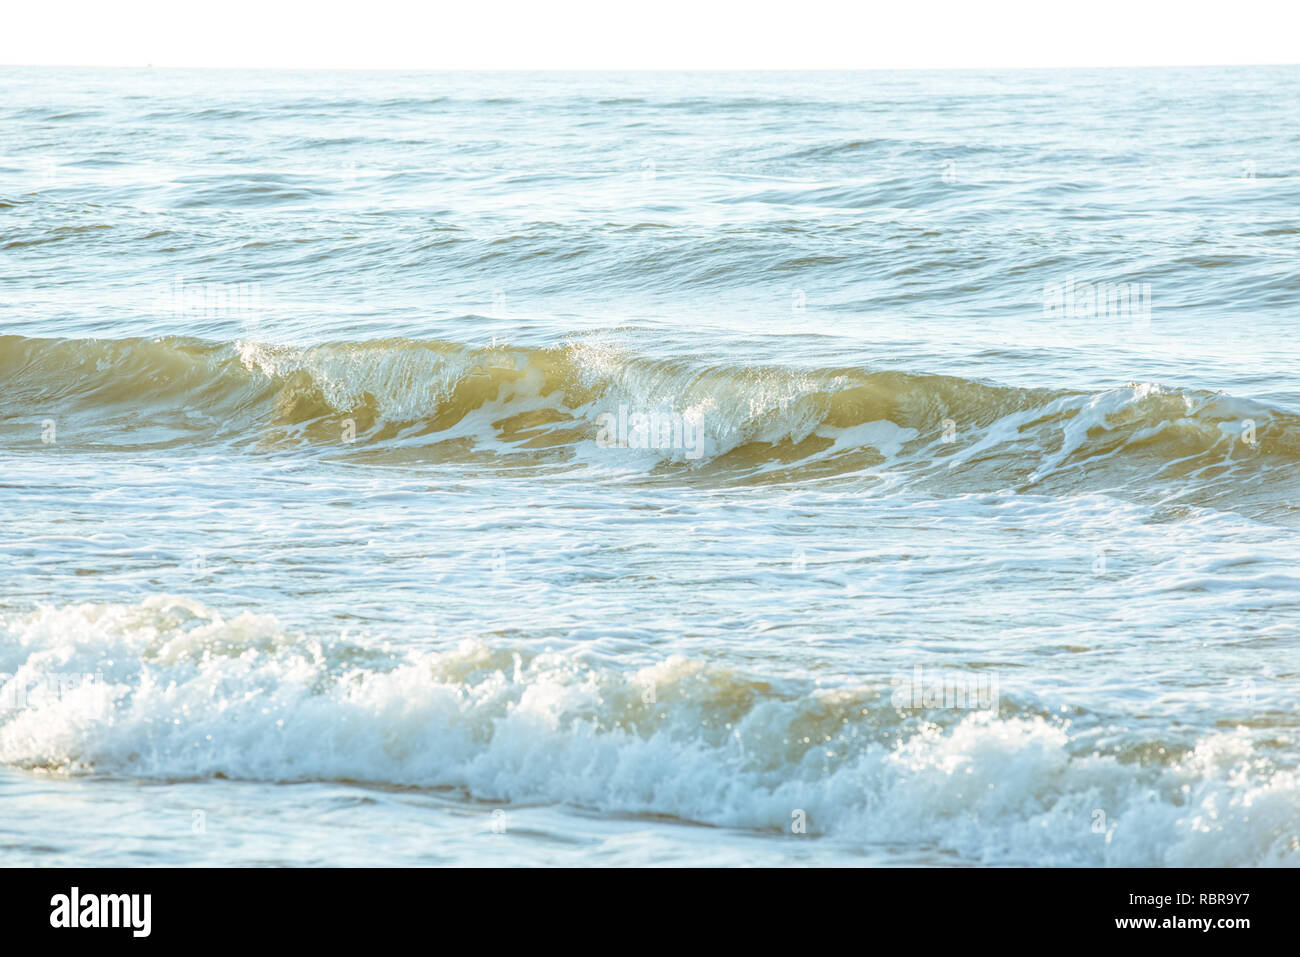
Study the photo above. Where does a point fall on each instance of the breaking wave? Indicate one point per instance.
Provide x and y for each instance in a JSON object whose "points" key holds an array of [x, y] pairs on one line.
{"points": [[179, 692], [406, 400]]}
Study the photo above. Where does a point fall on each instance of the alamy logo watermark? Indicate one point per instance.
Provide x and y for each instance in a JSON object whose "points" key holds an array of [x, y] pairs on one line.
{"points": [[945, 689], [1106, 300], [103, 910], [183, 299], [16, 695], [657, 429]]}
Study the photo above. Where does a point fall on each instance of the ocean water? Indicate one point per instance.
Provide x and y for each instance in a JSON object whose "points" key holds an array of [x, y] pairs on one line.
{"points": [[608, 469]]}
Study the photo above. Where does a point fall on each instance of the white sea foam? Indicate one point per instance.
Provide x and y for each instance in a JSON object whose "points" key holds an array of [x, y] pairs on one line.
{"points": [[186, 694]]}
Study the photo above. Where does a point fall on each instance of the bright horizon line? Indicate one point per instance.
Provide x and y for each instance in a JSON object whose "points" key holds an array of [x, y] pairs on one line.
{"points": [[598, 69], [653, 35]]}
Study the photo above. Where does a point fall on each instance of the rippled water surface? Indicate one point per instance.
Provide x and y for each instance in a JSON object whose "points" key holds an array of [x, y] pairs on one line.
{"points": [[879, 468]]}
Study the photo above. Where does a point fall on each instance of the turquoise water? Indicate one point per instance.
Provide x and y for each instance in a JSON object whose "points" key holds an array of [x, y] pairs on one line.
{"points": [[600, 469]]}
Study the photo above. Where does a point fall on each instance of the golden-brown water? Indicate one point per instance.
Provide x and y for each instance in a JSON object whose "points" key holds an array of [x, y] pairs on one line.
{"points": [[840, 468]]}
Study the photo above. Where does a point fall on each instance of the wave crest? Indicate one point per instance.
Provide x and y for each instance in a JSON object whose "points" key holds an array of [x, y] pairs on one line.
{"points": [[406, 399], [182, 692]]}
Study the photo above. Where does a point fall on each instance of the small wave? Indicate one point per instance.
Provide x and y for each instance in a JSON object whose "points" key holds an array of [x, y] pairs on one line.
{"points": [[829, 150]]}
